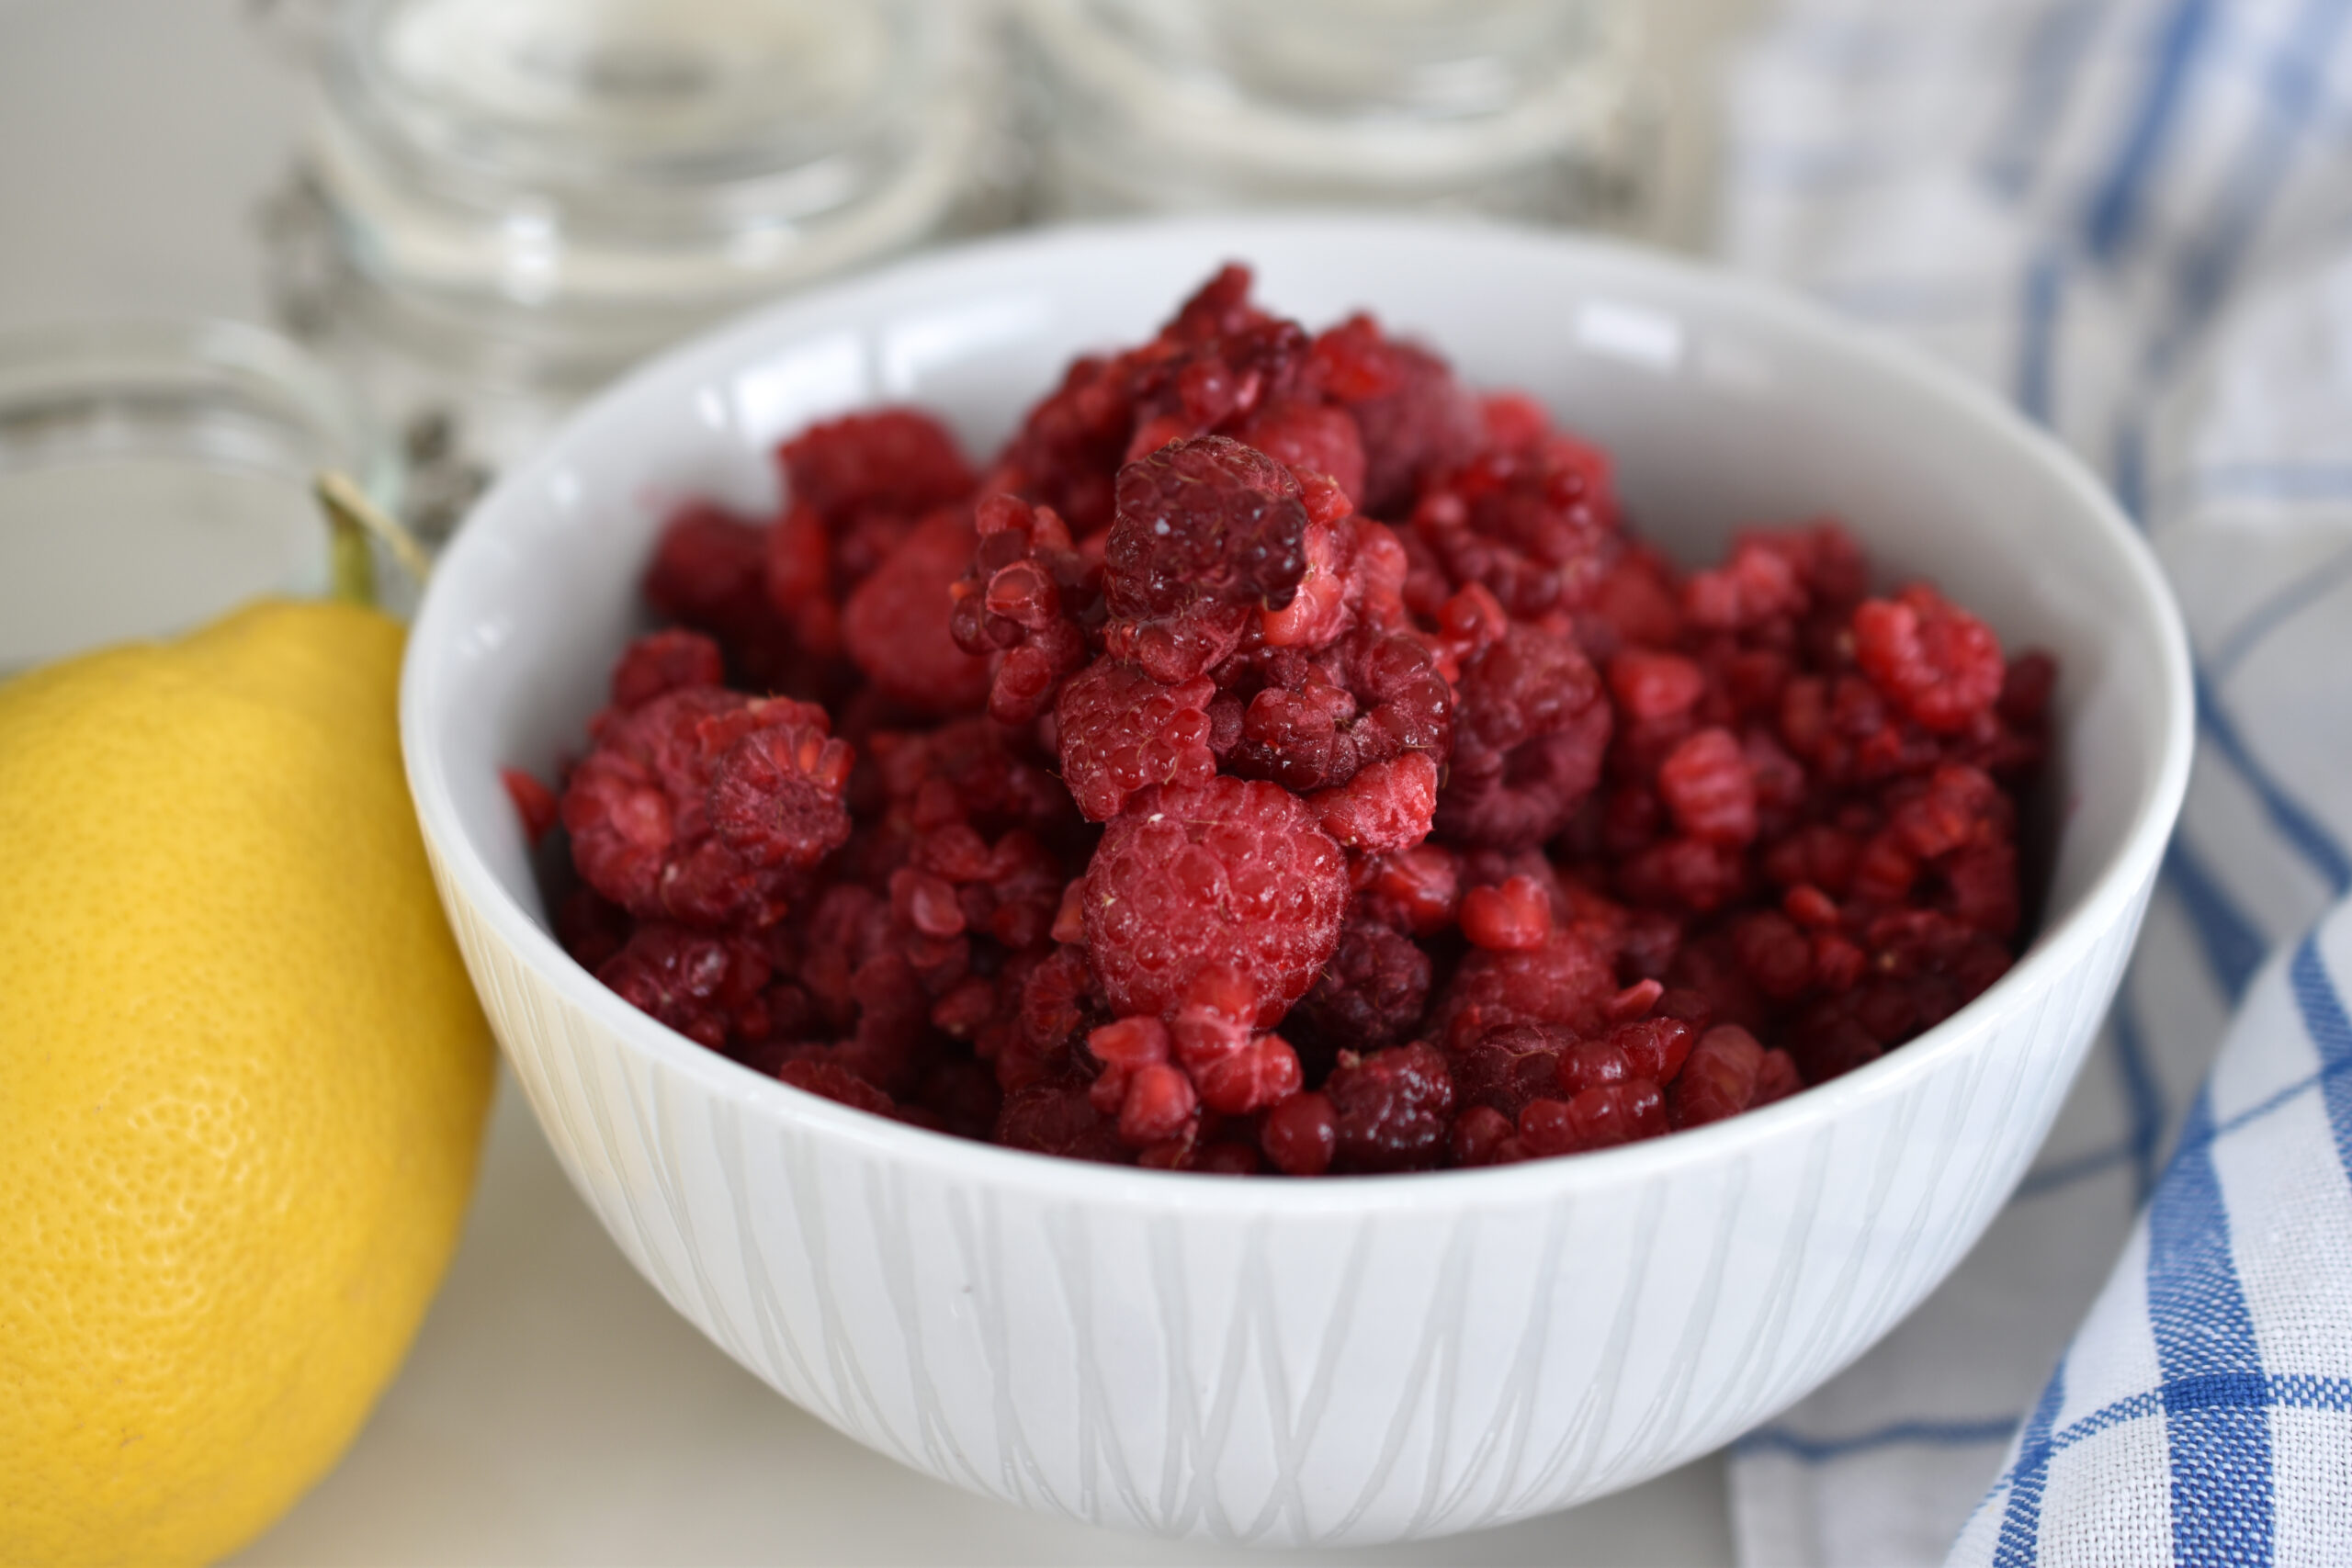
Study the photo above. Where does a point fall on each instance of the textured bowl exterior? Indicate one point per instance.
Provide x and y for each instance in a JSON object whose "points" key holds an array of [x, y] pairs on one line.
{"points": [[1283, 1362]]}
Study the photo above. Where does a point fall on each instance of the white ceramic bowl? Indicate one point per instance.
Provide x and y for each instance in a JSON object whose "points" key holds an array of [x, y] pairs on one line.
{"points": [[1307, 1361]]}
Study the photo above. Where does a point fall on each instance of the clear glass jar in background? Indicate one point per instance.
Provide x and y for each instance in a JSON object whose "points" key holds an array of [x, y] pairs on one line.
{"points": [[502, 203], [1534, 110], [156, 474]]}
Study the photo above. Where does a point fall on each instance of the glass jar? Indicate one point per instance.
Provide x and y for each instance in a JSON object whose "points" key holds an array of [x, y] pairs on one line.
{"points": [[520, 198], [156, 474], [1534, 110]]}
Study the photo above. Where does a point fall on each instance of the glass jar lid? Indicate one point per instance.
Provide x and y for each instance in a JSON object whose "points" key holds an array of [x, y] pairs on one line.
{"points": [[1507, 106], [643, 162]]}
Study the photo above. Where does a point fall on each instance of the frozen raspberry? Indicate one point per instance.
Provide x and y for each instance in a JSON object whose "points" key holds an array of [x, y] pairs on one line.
{"points": [[1535, 524], [1029, 601], [1055, 1117], [1159, 1104], [899, 460], [1531, 727], [1320, 718], [1718, 1079], [1705, 782], [1371, 994], [1566, 982], [699, 984], [1122, 731], [1758, 583], [896, 624], [1506, 1068], [709, 571], [1597, 1118], [1392, 1109], [1411, 414], [534, 802], [1301, 1136], [1483, 1136], [1227, 871], [663, 661], [1650, 686], [1417, 890], [1513, 917], [1942, 664], [838, 1084], [702, 805], [776, 794], [1307, 438], [1207, 531], [1385, 807]]}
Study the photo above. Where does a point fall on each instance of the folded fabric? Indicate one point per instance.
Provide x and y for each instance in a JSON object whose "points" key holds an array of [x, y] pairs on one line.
{"points": [[2135, 217]]}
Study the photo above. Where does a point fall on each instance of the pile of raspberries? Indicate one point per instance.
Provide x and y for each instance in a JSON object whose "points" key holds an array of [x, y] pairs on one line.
{"points": [[1280, 759]]}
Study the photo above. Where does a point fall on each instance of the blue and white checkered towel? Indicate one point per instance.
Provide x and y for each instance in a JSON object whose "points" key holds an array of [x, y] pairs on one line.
{"points": [[2135, 216]]}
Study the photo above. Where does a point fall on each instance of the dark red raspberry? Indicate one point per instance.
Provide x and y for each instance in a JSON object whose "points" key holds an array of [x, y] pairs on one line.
{"points": [[1301, 1136], [1230, 870], [709, 571], [699, 984], [1392, 1109], [663, 661], [896, 623], [1122, 731], [1597, 1118], [1718, 1079], [1055, 1117], [1566, 981], [1207, 532], [1412, 416], [1533, 522], [838, 1084], [1942, 664], [899, 460], [1530, 728], [1370, 995]]}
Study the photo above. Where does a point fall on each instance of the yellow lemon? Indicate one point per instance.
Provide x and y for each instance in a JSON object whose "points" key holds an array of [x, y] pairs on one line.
{"points": [[242, 1080]]}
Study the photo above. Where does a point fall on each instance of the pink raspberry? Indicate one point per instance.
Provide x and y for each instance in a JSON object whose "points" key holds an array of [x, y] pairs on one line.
{"points": [[1122, 731], [1942, 664], [1229, 872]]}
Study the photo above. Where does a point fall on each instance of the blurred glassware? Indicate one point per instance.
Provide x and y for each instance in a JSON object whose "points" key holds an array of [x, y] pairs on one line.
{"points": [[501, 203], [1537, 109], [155, 473]]}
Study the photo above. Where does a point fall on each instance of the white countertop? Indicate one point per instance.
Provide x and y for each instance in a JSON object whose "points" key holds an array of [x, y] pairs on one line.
{"points": [[553, 1410]]}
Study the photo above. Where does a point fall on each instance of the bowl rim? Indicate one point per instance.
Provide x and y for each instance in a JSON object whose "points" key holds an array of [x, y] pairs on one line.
{"points": [[2058, 946]]}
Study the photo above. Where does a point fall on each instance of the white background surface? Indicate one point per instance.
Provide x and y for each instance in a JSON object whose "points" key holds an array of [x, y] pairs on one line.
{"points": [[554, 1410]]}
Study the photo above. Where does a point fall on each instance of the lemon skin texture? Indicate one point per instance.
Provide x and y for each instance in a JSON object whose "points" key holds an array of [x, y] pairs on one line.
{"points": [[243, 1080]]}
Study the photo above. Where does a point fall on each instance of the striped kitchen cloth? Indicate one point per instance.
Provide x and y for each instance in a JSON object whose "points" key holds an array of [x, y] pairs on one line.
{"points": [[2135, 217]]}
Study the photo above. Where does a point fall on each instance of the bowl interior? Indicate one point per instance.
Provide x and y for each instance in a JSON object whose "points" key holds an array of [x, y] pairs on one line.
{"points": [[1722, 403]]}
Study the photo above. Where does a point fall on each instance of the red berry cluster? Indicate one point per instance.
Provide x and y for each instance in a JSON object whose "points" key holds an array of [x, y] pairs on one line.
{"points": [[1281, 760]]}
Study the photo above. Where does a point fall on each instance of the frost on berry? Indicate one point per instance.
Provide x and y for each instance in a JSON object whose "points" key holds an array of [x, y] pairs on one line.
{"points": [[1207, 531], [1122, 731], [1230, 871]]}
